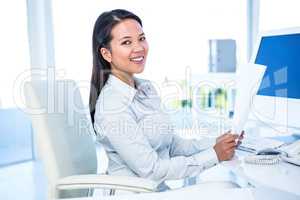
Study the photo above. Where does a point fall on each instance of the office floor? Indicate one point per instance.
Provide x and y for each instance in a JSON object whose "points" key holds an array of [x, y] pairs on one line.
{"points": [[26, 181], [22, 181]]}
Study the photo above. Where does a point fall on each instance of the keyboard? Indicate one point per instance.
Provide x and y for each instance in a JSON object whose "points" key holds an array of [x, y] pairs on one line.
{"points": [[254, 145]]}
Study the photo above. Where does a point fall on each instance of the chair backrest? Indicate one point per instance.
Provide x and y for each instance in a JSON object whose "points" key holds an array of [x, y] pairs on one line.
{"points": [[62, 131]]}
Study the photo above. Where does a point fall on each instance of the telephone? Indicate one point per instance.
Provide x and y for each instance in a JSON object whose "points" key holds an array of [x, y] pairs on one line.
{"points": [[288, 153], [267, 156]]}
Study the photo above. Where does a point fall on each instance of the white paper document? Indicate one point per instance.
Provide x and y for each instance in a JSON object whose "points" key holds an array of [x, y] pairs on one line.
{"points": [[248, 81], [254, 144]]}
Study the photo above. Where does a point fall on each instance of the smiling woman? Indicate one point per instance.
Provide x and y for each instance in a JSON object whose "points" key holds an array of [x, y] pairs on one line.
{"points": [[118, 46], [127, 51], [127, 115]]}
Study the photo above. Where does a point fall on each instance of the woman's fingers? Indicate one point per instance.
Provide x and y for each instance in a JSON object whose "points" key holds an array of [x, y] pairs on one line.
{"points": [[225, 134], [225, 146], [231, 145], [225, 150], [230, 138]]}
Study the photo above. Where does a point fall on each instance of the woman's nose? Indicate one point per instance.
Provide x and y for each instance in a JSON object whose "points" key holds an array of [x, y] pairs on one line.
{"points": [[138, 47]]}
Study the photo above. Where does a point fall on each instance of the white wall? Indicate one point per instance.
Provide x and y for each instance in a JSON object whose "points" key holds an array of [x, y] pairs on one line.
{"points": [[177, 32], [14, 50]]}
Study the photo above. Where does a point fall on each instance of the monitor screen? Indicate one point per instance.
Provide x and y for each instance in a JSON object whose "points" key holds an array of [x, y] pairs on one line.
{"points": [[281, 55]]}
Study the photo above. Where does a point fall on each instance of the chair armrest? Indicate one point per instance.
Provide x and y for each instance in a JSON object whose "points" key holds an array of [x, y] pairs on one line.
{"points": [[87, 181]]}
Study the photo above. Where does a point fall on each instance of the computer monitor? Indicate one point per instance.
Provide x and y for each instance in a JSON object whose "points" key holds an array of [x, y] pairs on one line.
{"points": [[278, 99]]}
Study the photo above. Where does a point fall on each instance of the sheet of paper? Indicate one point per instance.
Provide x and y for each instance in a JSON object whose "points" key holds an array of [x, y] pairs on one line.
{"points": [[248, 81]]}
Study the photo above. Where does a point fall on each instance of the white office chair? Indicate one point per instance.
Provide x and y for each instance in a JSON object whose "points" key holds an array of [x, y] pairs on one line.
{"points": [[64, 142]]}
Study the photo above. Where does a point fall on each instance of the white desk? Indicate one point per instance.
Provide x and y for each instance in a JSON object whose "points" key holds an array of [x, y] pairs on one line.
{"points": [[196, 193], [282, 176], [274, 182]]}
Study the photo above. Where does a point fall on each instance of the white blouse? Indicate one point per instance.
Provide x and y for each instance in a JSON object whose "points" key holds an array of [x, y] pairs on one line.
{"points": [[139, 138]]}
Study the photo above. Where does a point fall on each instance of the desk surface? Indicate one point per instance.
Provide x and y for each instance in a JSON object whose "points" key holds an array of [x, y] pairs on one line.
{"points": [[282, 176], [196, 193]]}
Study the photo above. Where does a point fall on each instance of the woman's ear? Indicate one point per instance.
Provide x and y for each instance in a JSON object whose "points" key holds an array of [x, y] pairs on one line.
{"points": [[105, 54]]}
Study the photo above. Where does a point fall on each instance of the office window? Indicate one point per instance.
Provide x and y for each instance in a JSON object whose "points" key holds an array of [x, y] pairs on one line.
{"points": [[177, 32], [14, 48], [277, 14], [73, 25], [15, 127]]}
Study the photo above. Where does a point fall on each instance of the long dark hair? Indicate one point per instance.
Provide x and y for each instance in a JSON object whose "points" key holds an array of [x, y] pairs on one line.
{"points": [[101, 38]]}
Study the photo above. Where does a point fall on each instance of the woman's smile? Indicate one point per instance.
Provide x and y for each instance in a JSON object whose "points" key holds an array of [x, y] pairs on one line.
{"points": [[138, 60]]}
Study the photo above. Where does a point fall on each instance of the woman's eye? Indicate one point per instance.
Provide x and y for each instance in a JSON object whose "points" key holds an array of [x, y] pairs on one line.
{"points": [[142, 38], [127, 42]]}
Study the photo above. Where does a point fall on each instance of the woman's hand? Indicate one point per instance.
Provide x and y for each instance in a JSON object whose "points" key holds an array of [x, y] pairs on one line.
{"points": [[225, 146]]}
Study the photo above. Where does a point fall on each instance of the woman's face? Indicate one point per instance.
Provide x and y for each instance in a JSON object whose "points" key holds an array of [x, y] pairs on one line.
{"points": [[128, 48]]}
